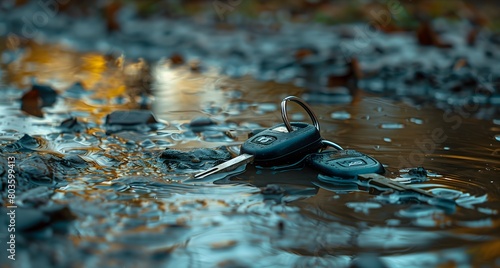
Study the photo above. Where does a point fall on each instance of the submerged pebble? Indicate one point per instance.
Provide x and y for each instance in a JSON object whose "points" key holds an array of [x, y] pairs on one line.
{"points": [[130, 118], [24, 144], [203, 158], [71, 125], [200, 124], [42, 169], [135, 120]]}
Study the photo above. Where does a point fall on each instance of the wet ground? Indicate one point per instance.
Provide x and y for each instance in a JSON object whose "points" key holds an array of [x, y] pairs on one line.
{"points": [[101, 182]]}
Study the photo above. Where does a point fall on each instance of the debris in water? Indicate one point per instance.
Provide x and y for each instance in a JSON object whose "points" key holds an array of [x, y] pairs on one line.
{"points": [[203, 158], [135, 120], [71, 125], [200, 124], [38, 97]]}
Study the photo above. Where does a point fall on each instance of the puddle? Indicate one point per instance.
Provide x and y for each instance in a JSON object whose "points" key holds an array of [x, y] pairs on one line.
{"points": [[134, 204]]}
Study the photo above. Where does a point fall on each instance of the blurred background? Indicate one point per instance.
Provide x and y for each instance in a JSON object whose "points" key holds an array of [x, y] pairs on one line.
{"points": [[110, 107], [321, 11]]}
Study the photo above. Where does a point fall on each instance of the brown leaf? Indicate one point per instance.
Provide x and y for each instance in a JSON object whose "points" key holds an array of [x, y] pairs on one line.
{"points": [[459, 64], [21, 2], [31, 103], [303, 53], [110, 11], [428, 37], [472, 36], [176, 59]]}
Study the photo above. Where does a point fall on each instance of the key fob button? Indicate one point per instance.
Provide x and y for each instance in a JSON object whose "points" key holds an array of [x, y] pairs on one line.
{"points": [[264, 139], [352, 162]]}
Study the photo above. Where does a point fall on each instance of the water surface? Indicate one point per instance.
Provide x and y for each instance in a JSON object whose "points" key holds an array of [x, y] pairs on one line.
{"points": [[131, 209]]}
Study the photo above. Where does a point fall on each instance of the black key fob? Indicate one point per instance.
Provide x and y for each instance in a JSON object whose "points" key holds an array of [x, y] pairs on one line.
{"points": [[344, 163], [278, 147]]}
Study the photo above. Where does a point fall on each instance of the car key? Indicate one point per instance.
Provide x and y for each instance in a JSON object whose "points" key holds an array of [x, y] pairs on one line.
{"points": [[351, 165], [344, 163], [274, 146]]}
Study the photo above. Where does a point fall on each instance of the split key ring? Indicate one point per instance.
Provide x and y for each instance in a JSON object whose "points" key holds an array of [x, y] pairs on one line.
{"points": [[304, 105], [309, 111]]}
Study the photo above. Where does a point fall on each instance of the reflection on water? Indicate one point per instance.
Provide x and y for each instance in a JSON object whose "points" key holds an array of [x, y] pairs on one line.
{"points": [[133, 210]]}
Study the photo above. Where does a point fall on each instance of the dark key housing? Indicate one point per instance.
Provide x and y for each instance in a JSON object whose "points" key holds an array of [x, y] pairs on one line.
{"points": [[278, 147], [344, 163]]}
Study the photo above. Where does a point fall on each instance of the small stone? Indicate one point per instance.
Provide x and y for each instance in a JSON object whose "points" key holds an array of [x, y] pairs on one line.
{"points": [[273, 192], [133, 120], [272, 189], [176, 160], [47, 169], [28, 142], [71, 125], [73, 161], [47, 94], [418, 172], [24, 144], [36, 171], [200, 124], [129, 118]]}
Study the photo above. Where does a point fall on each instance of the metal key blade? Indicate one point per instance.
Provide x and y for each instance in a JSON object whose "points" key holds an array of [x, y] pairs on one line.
{"points": [[226, 166], [449, 205], [379, 180]]}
